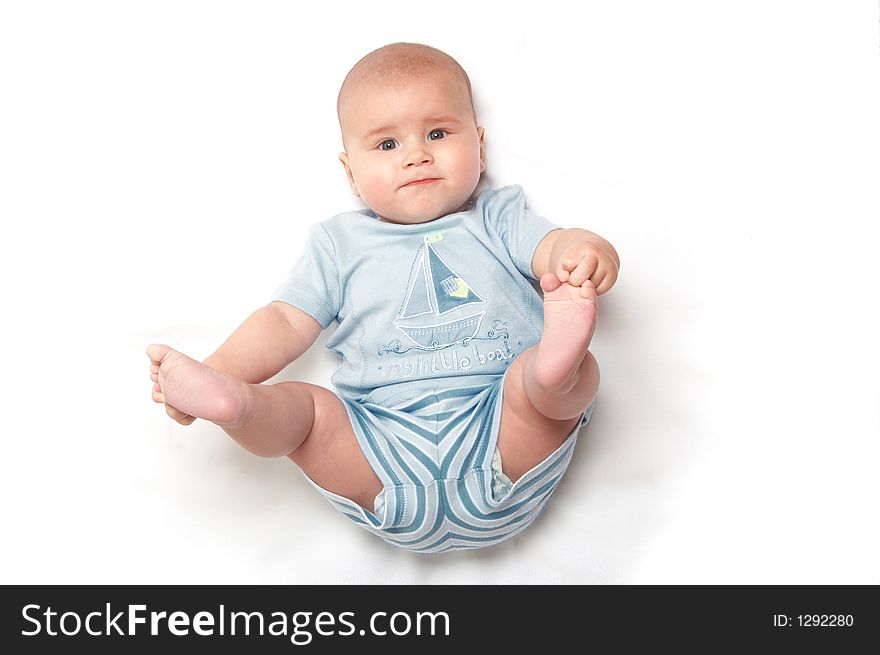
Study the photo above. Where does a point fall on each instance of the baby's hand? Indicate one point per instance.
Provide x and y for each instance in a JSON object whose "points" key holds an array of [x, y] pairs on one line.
{"points": [[582, 261]]}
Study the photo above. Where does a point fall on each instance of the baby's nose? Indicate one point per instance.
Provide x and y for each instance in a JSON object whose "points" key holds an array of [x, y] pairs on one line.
{"points": [[418, 156]]}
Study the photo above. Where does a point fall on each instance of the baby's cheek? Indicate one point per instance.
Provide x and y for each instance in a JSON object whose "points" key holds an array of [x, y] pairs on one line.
{"points": [[472, 167], [372, 191]]}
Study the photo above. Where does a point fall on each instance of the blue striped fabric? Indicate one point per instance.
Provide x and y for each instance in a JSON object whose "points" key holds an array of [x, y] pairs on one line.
{"points": [[434, 452]]}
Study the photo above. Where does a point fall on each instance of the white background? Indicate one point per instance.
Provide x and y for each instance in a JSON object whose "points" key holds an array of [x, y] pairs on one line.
{"points": [[160, 163]]}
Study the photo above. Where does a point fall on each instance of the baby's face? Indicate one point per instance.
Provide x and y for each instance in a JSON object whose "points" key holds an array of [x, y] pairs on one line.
{"points": [[413, 150]]}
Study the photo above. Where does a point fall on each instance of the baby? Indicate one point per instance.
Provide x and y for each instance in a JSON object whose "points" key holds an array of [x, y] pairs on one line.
{"points": [[460, 393]]}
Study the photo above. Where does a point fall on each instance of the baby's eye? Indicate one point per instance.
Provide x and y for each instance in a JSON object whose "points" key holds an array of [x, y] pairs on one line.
{"points": [[388, 144], [433, 135]]}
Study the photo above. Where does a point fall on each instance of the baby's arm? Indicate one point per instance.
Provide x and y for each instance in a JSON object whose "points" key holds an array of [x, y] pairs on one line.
{"points": [[576, 256], [268, 340]]}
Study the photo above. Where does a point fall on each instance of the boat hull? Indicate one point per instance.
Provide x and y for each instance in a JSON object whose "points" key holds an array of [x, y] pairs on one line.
{"points": [[442, 335]]}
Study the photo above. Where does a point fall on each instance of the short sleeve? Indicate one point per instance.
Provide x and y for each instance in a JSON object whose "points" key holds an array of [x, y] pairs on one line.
{"points": [[313, 282], [520, 229]]}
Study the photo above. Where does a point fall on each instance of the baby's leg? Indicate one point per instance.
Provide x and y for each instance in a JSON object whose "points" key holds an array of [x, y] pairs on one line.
{"points": [[550, 385], [305, 422]]}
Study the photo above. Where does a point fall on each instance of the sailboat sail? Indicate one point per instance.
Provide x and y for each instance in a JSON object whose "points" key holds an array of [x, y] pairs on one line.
{"points": [[418, 298], [435, 289], [450, 290]]}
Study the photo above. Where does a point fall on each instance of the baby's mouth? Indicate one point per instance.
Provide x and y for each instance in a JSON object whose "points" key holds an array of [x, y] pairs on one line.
{"points": [[421, 181]]}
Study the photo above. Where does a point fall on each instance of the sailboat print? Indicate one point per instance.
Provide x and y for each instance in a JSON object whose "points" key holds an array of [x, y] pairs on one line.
{"points": [[433, 291]]}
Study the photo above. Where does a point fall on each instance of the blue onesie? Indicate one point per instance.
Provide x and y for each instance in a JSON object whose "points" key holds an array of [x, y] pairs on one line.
{"points": [[430, 318]]}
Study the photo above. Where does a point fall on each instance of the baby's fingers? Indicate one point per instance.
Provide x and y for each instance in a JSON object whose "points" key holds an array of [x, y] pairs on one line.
{"points": [[564, 268], [568, 261], [584, 270], [604, 279]]}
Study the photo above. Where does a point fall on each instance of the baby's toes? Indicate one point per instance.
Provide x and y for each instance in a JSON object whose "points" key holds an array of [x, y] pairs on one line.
{"points": [[177, 415], [157, 352], [550, 282], [588, 291]]}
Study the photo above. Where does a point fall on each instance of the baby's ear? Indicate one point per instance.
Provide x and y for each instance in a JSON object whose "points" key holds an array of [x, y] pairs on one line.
{"points": [[343, 157], [481, 131]]}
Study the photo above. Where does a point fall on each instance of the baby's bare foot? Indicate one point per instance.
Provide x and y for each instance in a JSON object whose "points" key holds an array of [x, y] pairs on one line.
{"points": [[194, 388], [570, 315]]}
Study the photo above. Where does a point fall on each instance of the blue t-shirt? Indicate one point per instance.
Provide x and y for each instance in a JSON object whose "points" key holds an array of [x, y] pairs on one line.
{"points": [[423, 305]]}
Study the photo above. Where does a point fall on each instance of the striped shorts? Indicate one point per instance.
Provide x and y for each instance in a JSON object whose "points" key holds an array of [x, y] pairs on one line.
{"points": [[434, 451]]}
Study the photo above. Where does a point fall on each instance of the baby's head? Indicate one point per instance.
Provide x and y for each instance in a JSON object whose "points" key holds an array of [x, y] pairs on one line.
{"points": [[413, 150]]}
